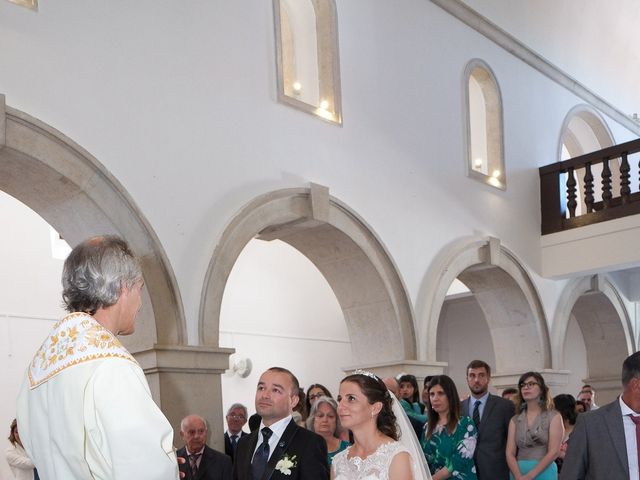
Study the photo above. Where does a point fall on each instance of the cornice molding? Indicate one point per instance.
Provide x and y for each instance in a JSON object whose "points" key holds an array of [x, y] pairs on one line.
{"points": [[482, 25]]}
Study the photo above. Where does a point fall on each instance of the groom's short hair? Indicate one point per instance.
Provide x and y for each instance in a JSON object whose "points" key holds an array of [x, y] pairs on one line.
{"points": [[295, 388]]}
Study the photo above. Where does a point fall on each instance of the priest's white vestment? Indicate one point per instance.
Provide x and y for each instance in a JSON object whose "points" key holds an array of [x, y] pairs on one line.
{"points": [[85, 410]]}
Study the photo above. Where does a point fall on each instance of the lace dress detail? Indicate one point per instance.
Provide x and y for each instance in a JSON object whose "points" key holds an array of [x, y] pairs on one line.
{"points": [[374, 467]]}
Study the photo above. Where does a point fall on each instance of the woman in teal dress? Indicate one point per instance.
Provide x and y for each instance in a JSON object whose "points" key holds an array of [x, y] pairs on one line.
{"points": [[410, 398], [535, 434], [323, 420], [450, 439]]}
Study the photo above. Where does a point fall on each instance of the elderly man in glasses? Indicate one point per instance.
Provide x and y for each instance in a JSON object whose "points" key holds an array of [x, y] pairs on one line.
{"points": [[236, 419]]}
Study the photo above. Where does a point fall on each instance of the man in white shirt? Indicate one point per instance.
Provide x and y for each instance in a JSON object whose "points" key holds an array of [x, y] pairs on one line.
{"points": [[605, 442], [588, 396], [280, 449], [491, 415], [85, 409], [237, 416]]}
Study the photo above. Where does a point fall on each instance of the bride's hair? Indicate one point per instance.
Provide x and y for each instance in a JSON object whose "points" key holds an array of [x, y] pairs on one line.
{"points": [[376, 391]]}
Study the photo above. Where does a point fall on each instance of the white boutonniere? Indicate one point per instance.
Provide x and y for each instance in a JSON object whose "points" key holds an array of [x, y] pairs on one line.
{"points": [[286, 463]]}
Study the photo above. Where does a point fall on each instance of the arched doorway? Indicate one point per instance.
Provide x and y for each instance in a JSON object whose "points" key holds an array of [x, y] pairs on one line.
{"points": [[347, 253], [75, 194], [504, 296], [595, 305], [78, 196]]}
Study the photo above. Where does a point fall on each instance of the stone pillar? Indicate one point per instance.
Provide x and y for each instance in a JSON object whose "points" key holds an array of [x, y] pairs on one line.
{"points": [[186, 380], [553, 378], [392, 369]]}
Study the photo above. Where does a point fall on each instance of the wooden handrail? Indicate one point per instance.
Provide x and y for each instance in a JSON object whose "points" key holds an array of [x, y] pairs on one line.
{"points": [[554, 210]]}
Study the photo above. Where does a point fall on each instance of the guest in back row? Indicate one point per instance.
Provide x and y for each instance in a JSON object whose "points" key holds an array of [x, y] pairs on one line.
{"points": [[450, 439], [535, 434], [236, 419], [410, 398], [324, 421], [202, 462], [18, 460]]}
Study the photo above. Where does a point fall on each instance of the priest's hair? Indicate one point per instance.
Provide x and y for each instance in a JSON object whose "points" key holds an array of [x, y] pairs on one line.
{"points": [[95, 272]]}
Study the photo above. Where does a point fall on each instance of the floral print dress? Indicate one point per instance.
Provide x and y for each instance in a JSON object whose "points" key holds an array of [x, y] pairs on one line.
{"points": [[455, 452]]}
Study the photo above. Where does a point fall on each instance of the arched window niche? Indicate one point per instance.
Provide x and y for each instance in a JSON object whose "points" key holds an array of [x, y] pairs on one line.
{"points": [[484, 130], [307, 56]]}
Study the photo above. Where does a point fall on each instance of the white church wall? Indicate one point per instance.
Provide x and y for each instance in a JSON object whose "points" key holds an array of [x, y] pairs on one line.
{"points": [[29, 300], [278, 310], [464, 336], [183, 113]]}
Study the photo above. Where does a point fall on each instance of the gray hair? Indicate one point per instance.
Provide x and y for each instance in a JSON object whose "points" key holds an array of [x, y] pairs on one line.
{"points": [[188, 418], [314, 410], [95, 272], [238, 405]]}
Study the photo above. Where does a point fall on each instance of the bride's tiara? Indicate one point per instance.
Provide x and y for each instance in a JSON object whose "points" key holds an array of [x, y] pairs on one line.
{"points": [[366, 373]]}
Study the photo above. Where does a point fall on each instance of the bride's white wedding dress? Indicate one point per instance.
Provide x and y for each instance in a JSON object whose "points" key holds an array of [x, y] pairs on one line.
{"points": [[374, 467]]}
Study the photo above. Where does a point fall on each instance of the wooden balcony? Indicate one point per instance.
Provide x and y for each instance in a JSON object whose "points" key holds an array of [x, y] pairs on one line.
{"points": [[592, 188]]}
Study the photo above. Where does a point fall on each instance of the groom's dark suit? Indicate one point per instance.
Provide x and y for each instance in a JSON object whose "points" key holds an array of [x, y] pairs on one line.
{"points": [[490, 459], [309, 449], [213, 465]]}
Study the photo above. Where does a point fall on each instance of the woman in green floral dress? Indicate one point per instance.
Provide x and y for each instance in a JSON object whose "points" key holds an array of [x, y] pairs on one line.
{"points": [[450, 439]]}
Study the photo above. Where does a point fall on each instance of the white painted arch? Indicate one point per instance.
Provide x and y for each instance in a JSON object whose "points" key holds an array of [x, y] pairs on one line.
{"points": [[347, 252], [77, 195], [506, 294], [613, 330]]}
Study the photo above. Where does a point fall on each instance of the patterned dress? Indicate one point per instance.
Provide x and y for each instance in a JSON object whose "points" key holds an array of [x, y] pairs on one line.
{"points": [[455, 452]]}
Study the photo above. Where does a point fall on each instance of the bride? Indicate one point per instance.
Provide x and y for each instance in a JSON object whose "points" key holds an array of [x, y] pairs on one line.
{"points": [[385, 446]]}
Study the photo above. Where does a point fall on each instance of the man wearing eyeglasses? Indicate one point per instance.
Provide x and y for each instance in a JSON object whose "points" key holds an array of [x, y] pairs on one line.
{"points": [[236, 419], [491, 414]]}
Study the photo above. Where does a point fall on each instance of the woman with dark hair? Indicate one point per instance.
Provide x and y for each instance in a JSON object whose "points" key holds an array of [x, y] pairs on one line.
{"points": [[450, 439], [324, 421], [581, 407], [410, 398], [314, 392], [535, 434], [565, 404], [370, 411], [18, 460]]}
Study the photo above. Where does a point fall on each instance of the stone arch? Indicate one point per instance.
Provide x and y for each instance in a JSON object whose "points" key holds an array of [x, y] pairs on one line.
{"points": [[76, 194], [575, 141], [506, 294], [604, 321], [584, 131], [347, 252]]}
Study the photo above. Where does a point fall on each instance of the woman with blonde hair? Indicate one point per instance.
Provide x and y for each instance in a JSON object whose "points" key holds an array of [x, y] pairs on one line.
{"points": [[535, 434]]}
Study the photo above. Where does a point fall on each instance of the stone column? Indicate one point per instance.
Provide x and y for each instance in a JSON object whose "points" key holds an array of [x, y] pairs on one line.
{"points": [[186, 380]]}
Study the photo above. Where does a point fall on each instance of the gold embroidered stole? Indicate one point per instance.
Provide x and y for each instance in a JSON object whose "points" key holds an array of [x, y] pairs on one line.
{"points": [[75, 339]]}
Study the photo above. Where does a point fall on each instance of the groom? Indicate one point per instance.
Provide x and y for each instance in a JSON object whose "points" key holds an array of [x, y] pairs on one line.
{"points": [[280, 449]]}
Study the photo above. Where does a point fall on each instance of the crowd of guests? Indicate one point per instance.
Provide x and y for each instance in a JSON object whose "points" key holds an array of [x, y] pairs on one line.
{"points": [[530, 427], [85, 410], [523, 434]]}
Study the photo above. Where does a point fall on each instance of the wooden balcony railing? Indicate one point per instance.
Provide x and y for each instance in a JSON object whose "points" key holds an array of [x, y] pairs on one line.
{"points": [[571, 197]]}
